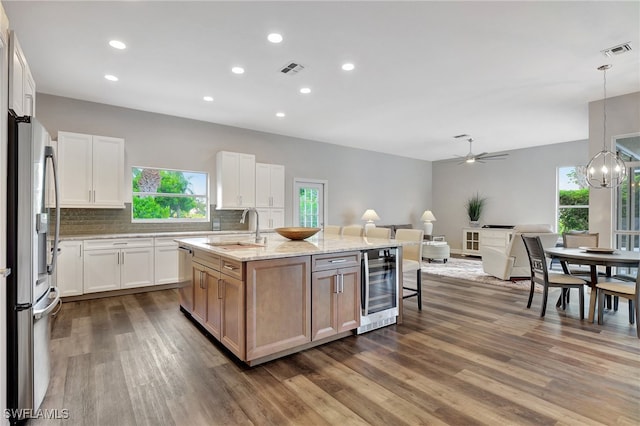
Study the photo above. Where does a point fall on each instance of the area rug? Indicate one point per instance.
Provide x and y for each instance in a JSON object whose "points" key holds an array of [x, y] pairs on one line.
{"points": [[471, 270]]}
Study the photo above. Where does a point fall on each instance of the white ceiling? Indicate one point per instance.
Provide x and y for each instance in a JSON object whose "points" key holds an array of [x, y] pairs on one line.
{"points": [[511, 74]]}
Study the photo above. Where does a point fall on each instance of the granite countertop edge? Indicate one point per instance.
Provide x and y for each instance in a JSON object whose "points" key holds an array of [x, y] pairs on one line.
{"points": [[76, 237]]}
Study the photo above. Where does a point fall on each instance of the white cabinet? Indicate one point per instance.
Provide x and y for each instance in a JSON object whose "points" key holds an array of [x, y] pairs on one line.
{"points": [[69, 268], [269, 185], [91, 170], [112, 264], [235, 180], [473, 239], [270, 218], [22, 86], [166, 260]]}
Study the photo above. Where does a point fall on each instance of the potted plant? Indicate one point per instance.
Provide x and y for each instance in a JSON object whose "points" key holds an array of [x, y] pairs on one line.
{"points": [[474, 206]]}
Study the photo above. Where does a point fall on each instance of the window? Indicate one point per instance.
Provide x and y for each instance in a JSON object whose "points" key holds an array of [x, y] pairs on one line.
{"points": [[309, 208], [627, 220], [573, 200], [160, 195]]}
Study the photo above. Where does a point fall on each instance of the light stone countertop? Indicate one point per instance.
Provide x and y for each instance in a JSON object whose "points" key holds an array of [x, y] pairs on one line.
{"points": [[157, 234], [280, 247]]}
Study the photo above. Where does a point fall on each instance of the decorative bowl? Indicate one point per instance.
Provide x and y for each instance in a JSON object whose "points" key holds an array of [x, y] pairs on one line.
{"points": [[297, 233]]}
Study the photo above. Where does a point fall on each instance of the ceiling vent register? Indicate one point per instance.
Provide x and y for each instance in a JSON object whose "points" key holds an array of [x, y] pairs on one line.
{"points": [[617, 50], [292, 68]]}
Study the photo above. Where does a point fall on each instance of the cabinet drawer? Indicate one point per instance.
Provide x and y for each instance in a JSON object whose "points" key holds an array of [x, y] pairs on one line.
{"points": [[207, 259], [117, 243], [322, 262], [232, 268]]}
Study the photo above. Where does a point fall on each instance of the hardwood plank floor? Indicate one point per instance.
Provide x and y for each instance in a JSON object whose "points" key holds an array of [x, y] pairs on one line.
{"points": [[474, 356]]}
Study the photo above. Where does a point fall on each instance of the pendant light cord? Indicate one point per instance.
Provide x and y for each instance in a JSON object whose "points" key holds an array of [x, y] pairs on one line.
{"points": [[604, 135]]}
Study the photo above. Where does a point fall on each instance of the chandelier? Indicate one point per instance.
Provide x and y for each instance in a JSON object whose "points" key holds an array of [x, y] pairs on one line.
{"points": [[606, 169]]}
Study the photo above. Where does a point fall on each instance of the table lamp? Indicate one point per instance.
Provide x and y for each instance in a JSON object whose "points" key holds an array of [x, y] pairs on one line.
{"points": [[427, 218], [370, 215]]}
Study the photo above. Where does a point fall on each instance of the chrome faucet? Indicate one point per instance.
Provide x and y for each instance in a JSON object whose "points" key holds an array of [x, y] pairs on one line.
{"points": [[244, 215]]}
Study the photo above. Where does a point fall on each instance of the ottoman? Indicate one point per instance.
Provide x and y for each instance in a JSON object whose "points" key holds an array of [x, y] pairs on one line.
{"points": [[436, 250]]}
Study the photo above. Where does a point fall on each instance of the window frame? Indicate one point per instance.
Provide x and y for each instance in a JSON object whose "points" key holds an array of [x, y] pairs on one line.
{"points": [[206, 196], [559, 206]]}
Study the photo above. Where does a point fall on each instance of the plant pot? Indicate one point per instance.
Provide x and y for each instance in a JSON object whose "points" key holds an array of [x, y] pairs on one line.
{"points": [[474, 223]]}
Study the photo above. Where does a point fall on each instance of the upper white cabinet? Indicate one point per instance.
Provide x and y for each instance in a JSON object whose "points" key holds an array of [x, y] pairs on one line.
{"points": [[269, 185], [235, 180], [22, 86], [91, 170]]}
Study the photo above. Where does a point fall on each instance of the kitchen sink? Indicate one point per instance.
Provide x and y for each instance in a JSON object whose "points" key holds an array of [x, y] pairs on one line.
{"points": [[234, 245]]}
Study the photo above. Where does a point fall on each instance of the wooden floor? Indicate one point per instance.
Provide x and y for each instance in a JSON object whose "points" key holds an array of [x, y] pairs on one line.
{"points": [[474, 355]]}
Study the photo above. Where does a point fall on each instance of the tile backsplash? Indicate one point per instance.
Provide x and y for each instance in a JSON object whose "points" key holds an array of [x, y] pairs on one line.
{"points": [[118, 221]]}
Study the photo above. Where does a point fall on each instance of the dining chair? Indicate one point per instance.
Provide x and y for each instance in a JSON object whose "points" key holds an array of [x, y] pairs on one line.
{"points": [[411, 262], [624, 289], [576, 240], [332, 230], [352, 230], [379, 232], [540, 274]]}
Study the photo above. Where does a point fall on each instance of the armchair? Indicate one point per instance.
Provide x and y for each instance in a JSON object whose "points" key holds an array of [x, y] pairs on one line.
{"points": [[514, 262]]}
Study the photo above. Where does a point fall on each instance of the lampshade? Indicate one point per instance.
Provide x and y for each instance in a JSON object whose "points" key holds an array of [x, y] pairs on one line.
{"points": [[606, 169], [427, 216], [370, 215]]}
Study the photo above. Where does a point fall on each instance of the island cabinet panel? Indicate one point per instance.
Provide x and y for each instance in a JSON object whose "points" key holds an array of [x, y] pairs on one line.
{"points": [[212, 287], [335, 298], [278, 305], [199, 312], [232, 328]]}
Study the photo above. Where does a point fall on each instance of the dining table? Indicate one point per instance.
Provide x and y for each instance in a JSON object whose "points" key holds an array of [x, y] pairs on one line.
{"points": [[594, 257]]}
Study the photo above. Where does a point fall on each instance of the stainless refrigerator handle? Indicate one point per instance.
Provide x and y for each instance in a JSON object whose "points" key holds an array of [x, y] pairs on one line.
{"points": [[48, 152], [39, 313], [5, 272]]}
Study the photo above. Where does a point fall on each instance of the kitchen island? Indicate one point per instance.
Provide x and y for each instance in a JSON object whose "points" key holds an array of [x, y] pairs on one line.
{"points": [[264, 301]]}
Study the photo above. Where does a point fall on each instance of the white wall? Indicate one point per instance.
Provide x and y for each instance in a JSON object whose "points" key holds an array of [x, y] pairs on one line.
{"points": [[398, 188], [623, 118], [519, 189]]}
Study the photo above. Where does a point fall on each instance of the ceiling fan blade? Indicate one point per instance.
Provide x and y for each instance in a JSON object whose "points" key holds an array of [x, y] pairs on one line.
{"points": [[482, 154], [494, 157]]}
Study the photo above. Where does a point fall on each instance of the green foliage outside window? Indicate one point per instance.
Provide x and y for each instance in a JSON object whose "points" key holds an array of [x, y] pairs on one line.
{"points": [[308, 207], [575, 217], [169, 194]]}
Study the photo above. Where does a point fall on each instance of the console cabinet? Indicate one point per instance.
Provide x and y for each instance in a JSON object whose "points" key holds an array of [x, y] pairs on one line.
{"points": [[473, 239]]}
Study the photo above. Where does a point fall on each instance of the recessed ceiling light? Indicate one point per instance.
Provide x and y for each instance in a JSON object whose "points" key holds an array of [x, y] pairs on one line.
{"points": [[111, 77], [305, 90], [208, 98], [280, 114], [348, 66], [274, 38], [237, 70], [117, 44]]}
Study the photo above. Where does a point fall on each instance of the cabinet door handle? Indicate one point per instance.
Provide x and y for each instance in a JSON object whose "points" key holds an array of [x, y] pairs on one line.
{"points": [[201, 280], [221, 289], [337, 260], [123, 258], [229, 267], [89, 195], [341, 283], [80, 250], [94, 195], [337, 284], [118, 257]]}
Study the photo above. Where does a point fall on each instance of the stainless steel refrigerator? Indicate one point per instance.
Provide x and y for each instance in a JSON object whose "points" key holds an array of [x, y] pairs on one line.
{"points": [[30, 295]]}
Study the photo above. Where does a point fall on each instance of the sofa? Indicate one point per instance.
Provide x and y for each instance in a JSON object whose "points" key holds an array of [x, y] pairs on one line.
{"points": [[514, 262]]}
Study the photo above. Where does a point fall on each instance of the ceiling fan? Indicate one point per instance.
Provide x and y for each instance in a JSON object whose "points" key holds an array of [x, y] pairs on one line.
{"points": [[480, 158]]}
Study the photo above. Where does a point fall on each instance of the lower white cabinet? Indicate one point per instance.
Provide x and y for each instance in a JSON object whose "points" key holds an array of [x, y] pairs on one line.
{"points": [[166, 260], [69, 268], [112, 264]]}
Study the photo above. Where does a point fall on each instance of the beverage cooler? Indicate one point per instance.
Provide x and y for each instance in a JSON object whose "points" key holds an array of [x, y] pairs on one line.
{"points": [[380, 288]]}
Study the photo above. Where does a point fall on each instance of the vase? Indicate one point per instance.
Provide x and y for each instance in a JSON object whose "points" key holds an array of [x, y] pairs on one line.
{"points": [[474, 223]]}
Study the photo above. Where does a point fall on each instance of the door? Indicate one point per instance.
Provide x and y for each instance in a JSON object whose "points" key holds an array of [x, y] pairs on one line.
{"points": [[136, 267], [75, 169], [108, 171], [309, 205], [3, 217], [69, 269]]}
